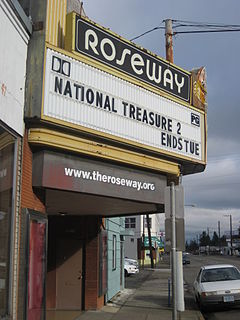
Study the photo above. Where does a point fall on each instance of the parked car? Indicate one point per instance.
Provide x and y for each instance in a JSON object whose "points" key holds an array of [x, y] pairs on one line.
{"points": [[217, 285], [133, 261], [186, 258], [130, 267]]}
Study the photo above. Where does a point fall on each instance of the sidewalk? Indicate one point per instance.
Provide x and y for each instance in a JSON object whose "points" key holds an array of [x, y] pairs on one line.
{"points": [[145, 298]]}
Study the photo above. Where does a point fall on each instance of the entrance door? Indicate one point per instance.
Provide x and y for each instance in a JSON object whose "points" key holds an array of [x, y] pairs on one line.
{"points": [[69, 274]]}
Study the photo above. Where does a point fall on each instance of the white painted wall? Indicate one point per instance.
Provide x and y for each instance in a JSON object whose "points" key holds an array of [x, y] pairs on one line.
{"points": [[157, 225], [13, 55]]}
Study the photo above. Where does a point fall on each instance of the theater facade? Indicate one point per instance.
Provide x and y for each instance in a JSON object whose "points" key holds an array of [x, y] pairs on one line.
{"points": [[108, 126]]}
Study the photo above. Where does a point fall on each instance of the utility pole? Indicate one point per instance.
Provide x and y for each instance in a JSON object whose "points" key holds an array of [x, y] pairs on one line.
{"points": [[231, 235], [199, 250], [177, 272], [169, 57], [169, 43], [219, 236], [150, 240]]}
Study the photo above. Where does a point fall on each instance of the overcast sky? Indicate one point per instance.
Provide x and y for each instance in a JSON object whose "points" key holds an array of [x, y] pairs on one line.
{"points": [[215, 192]]}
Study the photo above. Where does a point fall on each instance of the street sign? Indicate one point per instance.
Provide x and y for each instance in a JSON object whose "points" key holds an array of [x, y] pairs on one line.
{"points": [[179, 205], [155, 242], [180, 234]]}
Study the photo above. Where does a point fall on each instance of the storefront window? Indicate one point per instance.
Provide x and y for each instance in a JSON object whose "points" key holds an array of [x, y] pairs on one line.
{"points": [[6, 198]]}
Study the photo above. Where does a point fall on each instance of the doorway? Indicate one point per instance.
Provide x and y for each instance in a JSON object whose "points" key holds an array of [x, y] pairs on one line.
{"points": [[69, 274], [65, 268]]}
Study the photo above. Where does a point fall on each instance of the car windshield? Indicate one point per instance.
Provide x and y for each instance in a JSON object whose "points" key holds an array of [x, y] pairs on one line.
{"points": [[131, 261], [220, 274]]}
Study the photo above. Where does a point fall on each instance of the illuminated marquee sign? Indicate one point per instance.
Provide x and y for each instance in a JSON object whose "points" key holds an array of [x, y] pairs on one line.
{"points": [[119, 54], [79, 94]]}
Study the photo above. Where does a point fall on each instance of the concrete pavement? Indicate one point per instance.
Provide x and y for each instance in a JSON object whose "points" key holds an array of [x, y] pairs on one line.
{"points": [[145, 298]]}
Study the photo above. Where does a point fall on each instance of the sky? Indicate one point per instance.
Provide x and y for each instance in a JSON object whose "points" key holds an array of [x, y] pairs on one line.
{"points": [[213, 195]]}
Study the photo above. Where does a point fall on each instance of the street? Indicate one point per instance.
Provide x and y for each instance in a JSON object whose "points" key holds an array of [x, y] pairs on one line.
{"points": [[190, 273]]}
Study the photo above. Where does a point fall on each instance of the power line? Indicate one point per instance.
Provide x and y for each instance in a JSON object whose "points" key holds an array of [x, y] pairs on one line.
{"points": [[206, 31], [143, 34], [212, 27], [204, 24]]}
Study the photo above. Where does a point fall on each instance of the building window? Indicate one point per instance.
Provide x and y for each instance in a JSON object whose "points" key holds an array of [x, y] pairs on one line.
{"points": [[145, 222], [7, 178], [132, 239], [114, 251], [130, 223]]}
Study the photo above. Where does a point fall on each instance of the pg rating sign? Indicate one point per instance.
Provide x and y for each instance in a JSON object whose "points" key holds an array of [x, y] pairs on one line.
{"points": [[78, 94]]}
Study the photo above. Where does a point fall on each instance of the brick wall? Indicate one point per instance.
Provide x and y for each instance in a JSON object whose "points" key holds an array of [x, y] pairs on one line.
{"points": [[28, 198], [28, 201]]}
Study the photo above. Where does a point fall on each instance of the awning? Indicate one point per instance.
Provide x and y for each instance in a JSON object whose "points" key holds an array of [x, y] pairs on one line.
{"points": [[81, 186]]}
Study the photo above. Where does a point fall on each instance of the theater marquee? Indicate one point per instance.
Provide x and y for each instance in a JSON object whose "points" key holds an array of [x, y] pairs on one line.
{"points": [[79, 95], [109, 49]]}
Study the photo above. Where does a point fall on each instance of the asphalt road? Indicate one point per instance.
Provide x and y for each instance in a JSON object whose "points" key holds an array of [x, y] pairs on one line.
{"points": [[190, 272]]}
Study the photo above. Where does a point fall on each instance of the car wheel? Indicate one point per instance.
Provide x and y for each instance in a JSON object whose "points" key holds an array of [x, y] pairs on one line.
{"points": [[201, 305], [196, 299], [125, 273]]}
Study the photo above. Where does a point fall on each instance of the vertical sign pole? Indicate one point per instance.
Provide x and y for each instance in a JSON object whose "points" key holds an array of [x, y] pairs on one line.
{"points": [[143, 239], [179, 264], [173, 242], [179, 282]]}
